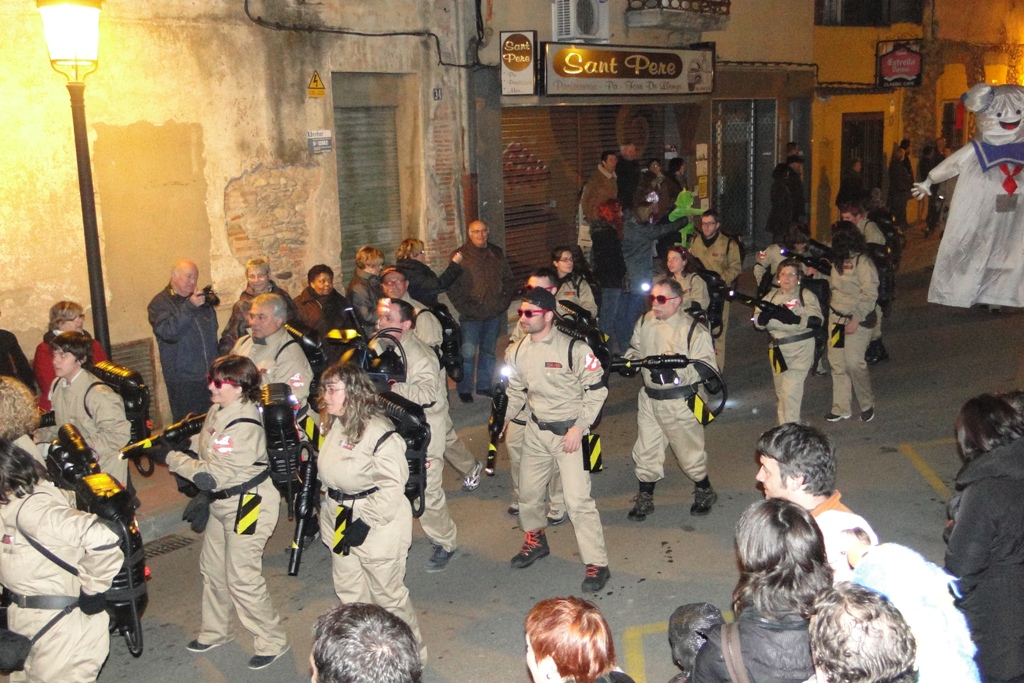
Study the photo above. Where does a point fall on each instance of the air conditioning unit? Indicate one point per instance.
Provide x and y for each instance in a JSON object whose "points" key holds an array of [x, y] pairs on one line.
{"points": [[583, 20]]}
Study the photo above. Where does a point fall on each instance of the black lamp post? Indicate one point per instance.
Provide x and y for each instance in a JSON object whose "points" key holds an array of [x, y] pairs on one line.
{"points": [[72, 30]]}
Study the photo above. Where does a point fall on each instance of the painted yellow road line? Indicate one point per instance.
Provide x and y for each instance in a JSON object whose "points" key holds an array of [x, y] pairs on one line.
{"points": [[926, 471], [633, 644]]}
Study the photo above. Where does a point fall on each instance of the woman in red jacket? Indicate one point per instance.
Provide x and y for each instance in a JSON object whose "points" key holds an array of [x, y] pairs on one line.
{"points": [[65, 316]]}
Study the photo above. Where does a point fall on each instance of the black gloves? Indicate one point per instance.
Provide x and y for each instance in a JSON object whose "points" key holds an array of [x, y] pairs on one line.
{"points": [[158, 451], [763, 317], [787, 317], [356, 533], [91, 604], [197, 512]]}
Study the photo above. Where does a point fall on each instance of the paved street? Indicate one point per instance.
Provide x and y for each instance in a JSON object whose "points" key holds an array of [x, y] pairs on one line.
{"points": [[894, 471]]}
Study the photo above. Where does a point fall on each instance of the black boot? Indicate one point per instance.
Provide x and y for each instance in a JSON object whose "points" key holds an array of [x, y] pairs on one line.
{"points": [[871, 355], [644, 502]]}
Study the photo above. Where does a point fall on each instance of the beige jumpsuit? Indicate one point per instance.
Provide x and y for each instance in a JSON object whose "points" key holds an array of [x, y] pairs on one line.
{"points": [[873, 235], [232, 563], [768, 260], [557, 389], [669, 421], [373, 572], [854, 286], [426, 384], [99, 415], [280, 361], [578, 291], [428, 329], [722, 257], [695, 290], [797, 353], [76, 647]]}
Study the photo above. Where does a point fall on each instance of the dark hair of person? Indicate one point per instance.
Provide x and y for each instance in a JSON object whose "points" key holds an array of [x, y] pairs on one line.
{"points": [[318, 270], [19, 472], [689, 260], [608, 153], [1016, 399], [858, 636], [675, 165], [652, 162], [782, 560], [711, 213], [78, 344], [406, 312], [671, 283], [796, 233], [574, 634], [802, 451], [985, 423], [241, 371], [548, 273], [847, 240], [780, 172], [789, 263], [360, 399], [361, 643], [557, 252], [855, 208]]}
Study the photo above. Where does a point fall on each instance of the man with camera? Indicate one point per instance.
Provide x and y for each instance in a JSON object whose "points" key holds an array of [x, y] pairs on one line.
{"points": [[185, 324]]}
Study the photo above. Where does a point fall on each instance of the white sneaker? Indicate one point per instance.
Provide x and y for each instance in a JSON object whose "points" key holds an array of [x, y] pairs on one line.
{"points": [[472, 480]]}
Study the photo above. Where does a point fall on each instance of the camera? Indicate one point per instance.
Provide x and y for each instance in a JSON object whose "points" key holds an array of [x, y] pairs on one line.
{"points": [[211, 296]]}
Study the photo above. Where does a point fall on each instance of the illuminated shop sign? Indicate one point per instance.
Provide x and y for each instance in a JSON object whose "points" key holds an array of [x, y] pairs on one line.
{"points": [[899, 63], [619, 70]]}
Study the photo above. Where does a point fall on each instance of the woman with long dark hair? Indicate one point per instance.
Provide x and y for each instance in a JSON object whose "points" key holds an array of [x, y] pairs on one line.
{"points": [[986, 546], [854, 284], [35, 514], [364, 471], [683, 268], [783, 568], [572, 286]]}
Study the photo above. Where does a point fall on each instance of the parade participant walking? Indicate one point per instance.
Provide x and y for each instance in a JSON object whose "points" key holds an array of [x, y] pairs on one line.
{"points": [[559, 378], [243, 512], [185, 324], [571, 284], [481, 294], [364, 470], [682, 267], [428, 330], [718, 253], [854, 284], [79, 398], [792, 329], [425, 384], [857, 214], [663, 415], [39, 528]]}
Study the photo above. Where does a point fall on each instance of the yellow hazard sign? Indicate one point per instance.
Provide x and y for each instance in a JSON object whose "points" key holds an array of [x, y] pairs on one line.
{"points": [[316, 86]]}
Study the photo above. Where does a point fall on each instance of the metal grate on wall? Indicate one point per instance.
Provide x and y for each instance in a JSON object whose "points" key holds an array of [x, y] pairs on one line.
{"points": [[369, 198], [138, 355]]}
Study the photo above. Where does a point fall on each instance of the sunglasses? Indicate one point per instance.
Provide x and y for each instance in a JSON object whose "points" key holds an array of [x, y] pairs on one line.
{"points": [[218, 382], [523, 313], [660, 299]]}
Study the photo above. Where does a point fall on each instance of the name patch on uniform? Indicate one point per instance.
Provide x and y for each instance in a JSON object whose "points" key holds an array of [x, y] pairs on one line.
{"points": [[761, 256], [569, 292], [592, 362], [847, 266], [792, 303], [7, 539], [552, 364], [224, 444], [296, 380], [347, 446]]}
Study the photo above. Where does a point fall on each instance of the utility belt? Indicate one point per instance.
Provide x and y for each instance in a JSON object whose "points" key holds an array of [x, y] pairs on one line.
{"points": [[684, 391], [43, 601], [808, 334], [558, 428], [521, 423], [241, 488], [339, 496]]}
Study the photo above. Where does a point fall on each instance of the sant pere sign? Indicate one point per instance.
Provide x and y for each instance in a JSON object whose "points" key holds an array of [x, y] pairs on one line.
{"points": [[581, 69]]}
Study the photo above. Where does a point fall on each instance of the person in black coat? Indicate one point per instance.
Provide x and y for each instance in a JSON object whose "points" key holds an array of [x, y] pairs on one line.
{"points": [[321, 307], [851, 186], [986, 546], [796, 187], [780, 215], [13, 362], [424, 284], [783, 568], [609, 266]]}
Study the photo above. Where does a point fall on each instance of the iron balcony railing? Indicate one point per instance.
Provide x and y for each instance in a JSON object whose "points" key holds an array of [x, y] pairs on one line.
{"points": [[713, 7]]}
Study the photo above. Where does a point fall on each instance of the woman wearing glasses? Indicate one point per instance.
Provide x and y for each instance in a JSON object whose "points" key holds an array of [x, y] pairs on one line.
{"points": [[424, 284], [571, 284], [791, 321], [65, 316], [232, 472], [366, 520]]}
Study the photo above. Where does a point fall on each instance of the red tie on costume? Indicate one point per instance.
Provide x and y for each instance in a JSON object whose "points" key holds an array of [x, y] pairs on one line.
{"points": [[1010, 185]]}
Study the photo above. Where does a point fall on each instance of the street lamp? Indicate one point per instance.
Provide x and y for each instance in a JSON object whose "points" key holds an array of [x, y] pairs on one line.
{"points": [[72, 31]]}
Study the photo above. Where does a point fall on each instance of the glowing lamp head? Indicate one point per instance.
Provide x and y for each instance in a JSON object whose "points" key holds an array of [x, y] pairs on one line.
{"points": [[506, 371], [72, 32], [646, 286]]}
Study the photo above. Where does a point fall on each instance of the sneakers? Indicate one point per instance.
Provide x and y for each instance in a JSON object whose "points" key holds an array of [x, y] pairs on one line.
{"points": [[196, 646], [595, 579], [643, 507], [472, 480], [440, 558], [465, 398], [555, 517], [263, 661], [703, 499], [868, 415], [832, 417], [534, 547]]}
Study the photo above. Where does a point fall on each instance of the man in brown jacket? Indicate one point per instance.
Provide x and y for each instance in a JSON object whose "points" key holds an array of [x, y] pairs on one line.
{"points": [[604, 184], [481, 295]]}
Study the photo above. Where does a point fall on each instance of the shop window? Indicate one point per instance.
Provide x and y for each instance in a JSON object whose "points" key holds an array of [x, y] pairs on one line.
{"points": [[952, 125], [867, 12]]}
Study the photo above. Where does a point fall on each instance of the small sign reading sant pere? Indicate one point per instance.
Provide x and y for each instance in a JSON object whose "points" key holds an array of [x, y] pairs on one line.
{"points": [[583, 69]]}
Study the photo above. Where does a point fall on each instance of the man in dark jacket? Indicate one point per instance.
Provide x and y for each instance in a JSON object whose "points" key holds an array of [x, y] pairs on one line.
{"points": [[481, 294], [185, 325]]}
